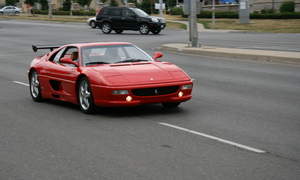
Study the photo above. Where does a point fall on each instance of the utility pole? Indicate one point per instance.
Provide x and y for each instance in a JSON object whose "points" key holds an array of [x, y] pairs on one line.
{"points": [[213, 12], [161, 8], [193, 23], [71, 8], [244, 12], [50, 9]]}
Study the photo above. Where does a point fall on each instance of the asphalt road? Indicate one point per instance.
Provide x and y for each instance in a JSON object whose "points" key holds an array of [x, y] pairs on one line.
{"points": [[235, 102]]}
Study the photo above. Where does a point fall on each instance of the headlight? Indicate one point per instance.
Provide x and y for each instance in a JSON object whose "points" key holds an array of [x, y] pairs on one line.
{"points": [[187, 86], [154, 19], [120, 92]]}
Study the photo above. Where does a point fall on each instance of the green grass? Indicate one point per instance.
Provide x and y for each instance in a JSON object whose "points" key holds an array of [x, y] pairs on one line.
{"points": [[175, 25], [256, 25]]}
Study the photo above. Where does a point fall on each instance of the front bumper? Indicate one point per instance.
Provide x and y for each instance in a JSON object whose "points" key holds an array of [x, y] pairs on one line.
{"points": [[155, 26], [103, 95]]}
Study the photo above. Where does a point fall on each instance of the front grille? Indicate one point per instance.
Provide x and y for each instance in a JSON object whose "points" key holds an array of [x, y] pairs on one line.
{"points": [[155, 91]]}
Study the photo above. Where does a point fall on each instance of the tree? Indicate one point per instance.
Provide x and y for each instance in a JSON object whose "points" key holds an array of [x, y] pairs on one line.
{"points": [[171, 3], [44, 4], [288, 6], [67, 5], [113, 3], [84, 2], [146, 6], [30, 2], [11, 2]]}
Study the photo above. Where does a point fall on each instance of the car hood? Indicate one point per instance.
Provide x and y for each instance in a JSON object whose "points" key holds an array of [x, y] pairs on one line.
{"points": [[140, 73]]}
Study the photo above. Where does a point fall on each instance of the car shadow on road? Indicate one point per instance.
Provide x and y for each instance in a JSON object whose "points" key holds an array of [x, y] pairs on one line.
{"points": [[132, 34], [142, 110]]}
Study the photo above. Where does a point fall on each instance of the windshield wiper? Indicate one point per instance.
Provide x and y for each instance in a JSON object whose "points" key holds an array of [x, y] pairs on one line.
{"points": [[96, 62], [131, 60]]}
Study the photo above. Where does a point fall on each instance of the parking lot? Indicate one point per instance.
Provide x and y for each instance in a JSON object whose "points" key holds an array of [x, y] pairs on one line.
{"points": [[242, 123]]}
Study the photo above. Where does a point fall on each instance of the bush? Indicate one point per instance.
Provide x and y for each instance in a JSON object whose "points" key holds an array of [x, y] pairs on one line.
{"points": [[288, 6], [255, 15], [176, 11], [84, 13], [267, 11]]}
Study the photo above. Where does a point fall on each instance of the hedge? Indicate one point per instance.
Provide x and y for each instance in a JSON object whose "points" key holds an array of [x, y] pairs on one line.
{"points": [[62, 13], [218, 14], [230, 14], [295, 15]]}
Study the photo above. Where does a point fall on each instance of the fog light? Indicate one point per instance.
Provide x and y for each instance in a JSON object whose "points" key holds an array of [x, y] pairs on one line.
{"points": [[120, 92], [180, 94], [128, 98]]}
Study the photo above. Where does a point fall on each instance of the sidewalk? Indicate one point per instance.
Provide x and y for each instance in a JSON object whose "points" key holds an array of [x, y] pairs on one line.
{"points": [[260, 55]]}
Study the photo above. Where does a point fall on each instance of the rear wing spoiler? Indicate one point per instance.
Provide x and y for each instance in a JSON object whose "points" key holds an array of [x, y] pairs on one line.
{"points": [[35, 48]]}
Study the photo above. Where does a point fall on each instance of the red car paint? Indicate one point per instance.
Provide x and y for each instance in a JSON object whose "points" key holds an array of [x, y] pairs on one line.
{"points": [[104, 78]]}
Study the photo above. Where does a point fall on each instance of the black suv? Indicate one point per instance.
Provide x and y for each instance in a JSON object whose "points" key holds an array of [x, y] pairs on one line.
{"points": [[124, 18]]}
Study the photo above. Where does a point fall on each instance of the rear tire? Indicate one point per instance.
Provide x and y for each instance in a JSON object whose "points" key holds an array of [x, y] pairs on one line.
{"points": [[144, 29], [106, 28], [93, 24], [34, 87], [85, 97], [171, 105]]}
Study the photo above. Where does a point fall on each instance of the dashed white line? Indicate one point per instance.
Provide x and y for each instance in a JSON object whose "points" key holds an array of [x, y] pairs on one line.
{"points": [[214, 138], [18, 82]]}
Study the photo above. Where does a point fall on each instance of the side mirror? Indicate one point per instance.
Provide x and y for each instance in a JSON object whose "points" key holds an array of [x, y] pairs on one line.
{"points": [[67, 60], [157, 55]]}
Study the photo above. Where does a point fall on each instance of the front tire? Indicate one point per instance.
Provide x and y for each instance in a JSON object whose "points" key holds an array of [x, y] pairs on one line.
{"points": [[34, 86], [85, 97], [144, 29], [106, 28]]}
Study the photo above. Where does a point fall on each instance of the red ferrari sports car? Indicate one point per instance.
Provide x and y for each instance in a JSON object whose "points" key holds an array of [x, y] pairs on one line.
{"points": [[106, 74]]}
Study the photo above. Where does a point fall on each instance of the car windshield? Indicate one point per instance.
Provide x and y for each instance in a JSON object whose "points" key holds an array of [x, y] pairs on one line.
{"points": [[140, 12], [113, 54]]}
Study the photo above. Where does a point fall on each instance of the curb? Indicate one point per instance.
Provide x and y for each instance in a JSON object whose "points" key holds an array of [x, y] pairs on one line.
{"points": [[259, 55]]}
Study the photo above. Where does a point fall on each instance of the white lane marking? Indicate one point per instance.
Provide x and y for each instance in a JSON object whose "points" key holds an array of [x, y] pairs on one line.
{"points": [[18, 82], [215, 138]]}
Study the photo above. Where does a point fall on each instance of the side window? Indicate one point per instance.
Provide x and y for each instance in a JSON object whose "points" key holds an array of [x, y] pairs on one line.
{"points": [[103, 11], [127, 12], [115, 12], [56, 56], [72, 53]]}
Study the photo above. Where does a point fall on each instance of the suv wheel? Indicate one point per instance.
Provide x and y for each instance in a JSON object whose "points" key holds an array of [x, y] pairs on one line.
{"points": [[119, 31], [106, 28], [144, 29], [93, 24], [156, 31]]}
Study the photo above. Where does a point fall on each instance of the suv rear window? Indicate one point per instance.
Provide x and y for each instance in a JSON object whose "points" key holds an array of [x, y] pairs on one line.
{"points": [[113, 12]]}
